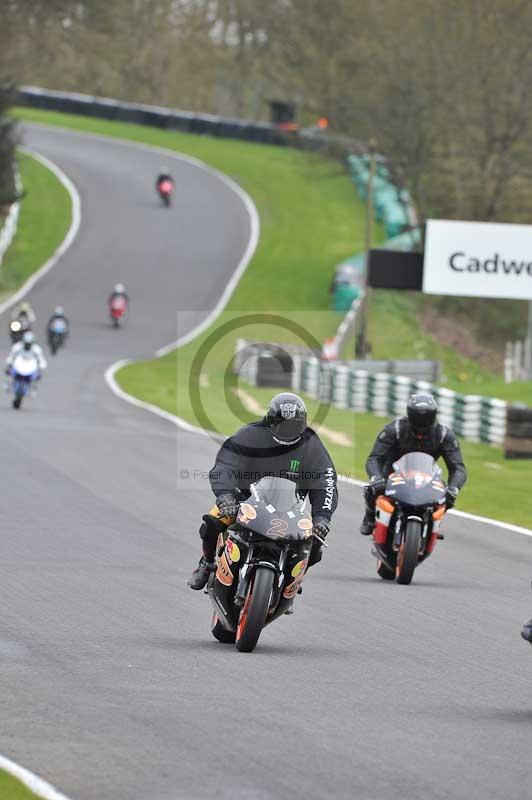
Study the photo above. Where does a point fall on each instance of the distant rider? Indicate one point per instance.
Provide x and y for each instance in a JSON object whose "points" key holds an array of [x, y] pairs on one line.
{"points": [[418, 432], [281, 445], [163, 176], [25, 314], [59, 314], [118, 291], [28, 345]]}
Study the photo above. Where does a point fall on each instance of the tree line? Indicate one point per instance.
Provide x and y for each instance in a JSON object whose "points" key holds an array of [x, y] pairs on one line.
{"points": [[442, 86]]}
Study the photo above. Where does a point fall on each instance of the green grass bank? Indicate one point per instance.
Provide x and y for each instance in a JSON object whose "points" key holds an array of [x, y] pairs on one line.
{"points": [[45, 214], [11, 789]]}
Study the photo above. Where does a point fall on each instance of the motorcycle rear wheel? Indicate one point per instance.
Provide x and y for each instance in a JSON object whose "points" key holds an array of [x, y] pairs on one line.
{"points": [[221, 633], [407, 557], [253, 614], [17, 401]]}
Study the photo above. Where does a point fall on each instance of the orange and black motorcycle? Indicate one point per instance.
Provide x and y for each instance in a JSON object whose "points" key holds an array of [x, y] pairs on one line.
{"points": [[260, 562], [408, 517]]}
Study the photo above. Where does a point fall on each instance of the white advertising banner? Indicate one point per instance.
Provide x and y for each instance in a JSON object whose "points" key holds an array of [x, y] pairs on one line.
{"points": [[478, 259]]}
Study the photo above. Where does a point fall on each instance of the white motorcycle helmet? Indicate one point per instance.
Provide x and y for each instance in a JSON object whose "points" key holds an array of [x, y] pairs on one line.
{"points": [[59, 311], [119, 288]]}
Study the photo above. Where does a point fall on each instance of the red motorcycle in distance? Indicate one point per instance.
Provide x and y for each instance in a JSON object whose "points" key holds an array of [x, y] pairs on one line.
{"points": [[165, 189], [118, 310]]}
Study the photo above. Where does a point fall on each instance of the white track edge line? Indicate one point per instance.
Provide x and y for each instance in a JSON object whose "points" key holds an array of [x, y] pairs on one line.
{"points": [[67, 241], [32, 782]]}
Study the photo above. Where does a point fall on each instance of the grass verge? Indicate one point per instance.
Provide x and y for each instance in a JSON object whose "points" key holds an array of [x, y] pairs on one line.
{"points": [[44, 220], [11, 789], [394, 332]]}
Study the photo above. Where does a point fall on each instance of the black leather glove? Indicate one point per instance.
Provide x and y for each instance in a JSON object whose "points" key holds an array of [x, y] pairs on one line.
{"points": [[321, 527], [377, 486], [227, 505], [451, 493]]}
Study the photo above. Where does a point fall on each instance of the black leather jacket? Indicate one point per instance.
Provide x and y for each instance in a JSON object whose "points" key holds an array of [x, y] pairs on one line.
{"points": [[397, 439], [252, 453]]}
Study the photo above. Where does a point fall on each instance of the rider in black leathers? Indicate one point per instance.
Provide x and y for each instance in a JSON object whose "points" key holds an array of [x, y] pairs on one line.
{"points": [[418, 432], [280, 445]]}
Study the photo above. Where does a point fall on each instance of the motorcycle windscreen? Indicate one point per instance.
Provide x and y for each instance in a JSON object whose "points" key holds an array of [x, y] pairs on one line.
{"points": [[278, 492], [58, 326], [416, 480], [276, 510], [118, 303]]}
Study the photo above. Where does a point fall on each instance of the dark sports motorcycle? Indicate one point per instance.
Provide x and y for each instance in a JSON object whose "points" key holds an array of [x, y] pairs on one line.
{"points": [[260, 562], [165, 190], [17, 328], [408, 517], [57, 332]]}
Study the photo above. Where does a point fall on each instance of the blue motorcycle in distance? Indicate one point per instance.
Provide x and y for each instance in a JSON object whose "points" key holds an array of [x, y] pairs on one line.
{"points": [[24, 372], [57, 332]]}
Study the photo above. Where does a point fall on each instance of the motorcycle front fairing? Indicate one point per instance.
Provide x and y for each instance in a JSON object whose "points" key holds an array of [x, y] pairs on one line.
{"points": [[25, 367], [58, 326], [416, 482], [273, 529], [415, 488]]}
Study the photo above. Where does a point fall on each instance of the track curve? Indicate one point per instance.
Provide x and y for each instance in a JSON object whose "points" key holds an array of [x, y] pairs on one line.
{"points": [[111, 685]]}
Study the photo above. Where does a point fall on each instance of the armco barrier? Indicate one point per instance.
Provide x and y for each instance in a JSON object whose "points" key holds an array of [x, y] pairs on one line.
{"points": [[107, 108]]}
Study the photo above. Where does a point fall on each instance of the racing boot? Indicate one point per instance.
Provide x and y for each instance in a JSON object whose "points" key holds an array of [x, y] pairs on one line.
{"points": [[200, 576], [368, 523]]}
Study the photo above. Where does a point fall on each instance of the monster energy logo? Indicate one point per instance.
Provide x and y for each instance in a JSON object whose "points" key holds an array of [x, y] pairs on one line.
{"points": [[294, 465]]}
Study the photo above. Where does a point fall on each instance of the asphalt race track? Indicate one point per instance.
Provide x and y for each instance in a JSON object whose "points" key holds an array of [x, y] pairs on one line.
{"points": [[111, 685]]}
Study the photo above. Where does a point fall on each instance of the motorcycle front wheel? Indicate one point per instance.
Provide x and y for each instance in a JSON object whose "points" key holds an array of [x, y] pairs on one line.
{"points": [[253, 614], [408, 554]]}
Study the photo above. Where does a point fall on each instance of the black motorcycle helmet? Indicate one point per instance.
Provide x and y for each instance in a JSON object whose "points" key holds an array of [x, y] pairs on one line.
{"points": [[421, 410], [287, 417]]}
